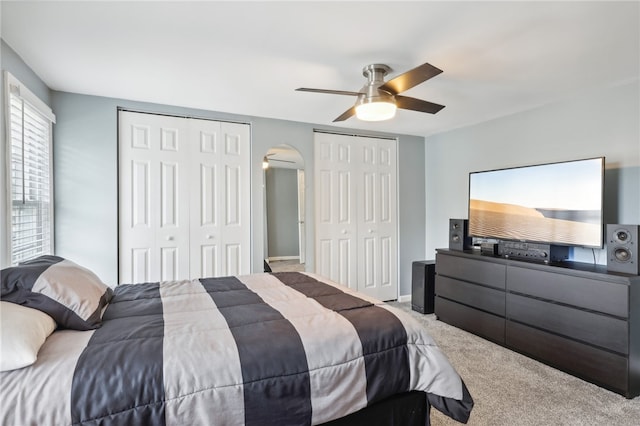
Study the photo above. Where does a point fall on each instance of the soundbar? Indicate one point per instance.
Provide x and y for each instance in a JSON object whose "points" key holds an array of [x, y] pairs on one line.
{"points": [[532, 251]]}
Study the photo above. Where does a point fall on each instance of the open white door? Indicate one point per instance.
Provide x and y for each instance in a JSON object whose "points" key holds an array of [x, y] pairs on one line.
{"points": [[302, 228]]}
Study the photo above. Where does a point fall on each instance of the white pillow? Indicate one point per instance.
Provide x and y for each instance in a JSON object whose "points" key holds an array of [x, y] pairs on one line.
{"points": [[22, 332]]}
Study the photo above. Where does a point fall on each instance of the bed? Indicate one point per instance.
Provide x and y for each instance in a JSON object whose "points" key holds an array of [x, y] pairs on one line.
{"points": [[263, 349]]}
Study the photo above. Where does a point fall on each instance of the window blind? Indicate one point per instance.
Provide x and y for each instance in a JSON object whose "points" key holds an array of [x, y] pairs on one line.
{"points": [[31, 200]]}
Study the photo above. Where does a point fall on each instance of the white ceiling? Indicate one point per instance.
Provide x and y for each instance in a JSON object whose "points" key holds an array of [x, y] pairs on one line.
{"points": [[248, 57]]}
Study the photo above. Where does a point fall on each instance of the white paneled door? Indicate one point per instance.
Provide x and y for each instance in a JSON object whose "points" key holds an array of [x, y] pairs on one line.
{"points": [[336, 221], [183, 198], [219, 211], [376, 213], [356, 219]]}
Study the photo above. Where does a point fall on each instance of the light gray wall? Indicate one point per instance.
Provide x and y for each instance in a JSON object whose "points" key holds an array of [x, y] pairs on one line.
{"points": [[16, 66], [10, 61], [602, 122], [282, 212], [86, 176]]}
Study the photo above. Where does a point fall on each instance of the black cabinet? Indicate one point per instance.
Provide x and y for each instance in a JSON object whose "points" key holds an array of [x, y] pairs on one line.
{"points": [[575, 317], [423, 273]]}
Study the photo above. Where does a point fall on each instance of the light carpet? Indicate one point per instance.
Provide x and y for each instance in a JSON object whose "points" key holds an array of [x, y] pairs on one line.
{"points": [[512, 389]]}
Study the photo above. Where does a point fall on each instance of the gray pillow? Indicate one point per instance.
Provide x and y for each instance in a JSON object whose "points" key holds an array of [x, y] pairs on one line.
{"points": [[72, 295]]}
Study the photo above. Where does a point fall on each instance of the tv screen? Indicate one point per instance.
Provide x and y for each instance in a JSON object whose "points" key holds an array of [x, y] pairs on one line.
{"points": [[556, 203]]}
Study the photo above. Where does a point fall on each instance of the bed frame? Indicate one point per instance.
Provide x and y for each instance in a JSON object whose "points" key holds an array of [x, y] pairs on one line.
{"points": [[407, 409]]}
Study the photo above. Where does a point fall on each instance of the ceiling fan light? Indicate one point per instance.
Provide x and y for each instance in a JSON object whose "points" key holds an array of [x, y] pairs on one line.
{"points": [[376, 111]]}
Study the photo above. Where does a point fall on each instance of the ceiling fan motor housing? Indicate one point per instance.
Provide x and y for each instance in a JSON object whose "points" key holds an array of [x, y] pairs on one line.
{"points": [[375, 78]]}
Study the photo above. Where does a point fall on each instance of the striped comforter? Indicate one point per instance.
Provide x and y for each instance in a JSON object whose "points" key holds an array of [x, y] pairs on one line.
{"points": [[262, 349]]}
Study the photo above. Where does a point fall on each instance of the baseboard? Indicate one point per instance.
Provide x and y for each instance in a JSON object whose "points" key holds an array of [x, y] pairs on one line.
{"points": [[277, 258], [404, 298]]}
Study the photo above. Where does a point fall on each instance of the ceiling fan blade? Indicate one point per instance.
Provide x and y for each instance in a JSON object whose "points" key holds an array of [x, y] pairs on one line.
{"points": [[405, 102], [347, 114], [282, 161], [410, 78], [331, 92]]}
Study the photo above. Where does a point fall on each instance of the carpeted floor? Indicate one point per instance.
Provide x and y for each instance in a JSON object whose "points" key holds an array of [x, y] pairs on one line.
{"points": [[510, 389], [286, 266]]}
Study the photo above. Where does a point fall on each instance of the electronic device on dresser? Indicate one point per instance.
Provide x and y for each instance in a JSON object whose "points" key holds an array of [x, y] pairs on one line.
{"points": [[531, 251], [459, 238], [489, 248], [556, 204], [622, 248]]}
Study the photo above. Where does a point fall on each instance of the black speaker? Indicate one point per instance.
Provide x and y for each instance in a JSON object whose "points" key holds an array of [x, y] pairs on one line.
{"points": [[459, 234], [622, 249], [423, 283]]}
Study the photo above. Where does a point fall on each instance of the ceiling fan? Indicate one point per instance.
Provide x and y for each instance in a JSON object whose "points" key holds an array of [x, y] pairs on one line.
{"points": [[278, 159], [266, 160], [378, 100]]}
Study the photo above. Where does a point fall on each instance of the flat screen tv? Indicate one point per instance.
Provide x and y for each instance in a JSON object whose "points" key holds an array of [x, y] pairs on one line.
{"points": [[556, 203]]}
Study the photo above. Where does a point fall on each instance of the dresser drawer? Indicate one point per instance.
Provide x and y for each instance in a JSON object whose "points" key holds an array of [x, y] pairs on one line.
{"points": [[596, 329], [477, 271], [477, 322], [602, 296], [593, 364], [484, 298]]}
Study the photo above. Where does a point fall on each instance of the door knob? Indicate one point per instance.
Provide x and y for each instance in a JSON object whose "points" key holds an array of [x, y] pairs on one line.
{"points": [[169, 238], [209, 237]]}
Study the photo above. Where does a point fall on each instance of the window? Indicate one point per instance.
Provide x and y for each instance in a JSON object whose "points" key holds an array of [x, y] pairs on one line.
{"points": [[30, 173]]}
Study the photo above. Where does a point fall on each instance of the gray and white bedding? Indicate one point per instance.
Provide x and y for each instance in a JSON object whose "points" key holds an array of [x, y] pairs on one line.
{"points": [[261, 349]]}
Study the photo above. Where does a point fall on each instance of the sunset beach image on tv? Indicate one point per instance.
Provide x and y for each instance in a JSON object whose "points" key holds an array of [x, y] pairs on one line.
{"points": [[559, 203]]}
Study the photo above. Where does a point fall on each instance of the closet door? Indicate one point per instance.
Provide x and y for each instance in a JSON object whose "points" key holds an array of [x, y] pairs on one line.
{"points": [[336, 222], [220, 215], [376, 217], [184, 198], [356, 219], [153, 198]]}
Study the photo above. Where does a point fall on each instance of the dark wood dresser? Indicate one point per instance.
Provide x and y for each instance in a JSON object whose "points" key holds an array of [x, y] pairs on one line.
{"points": [[573, 316]]}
